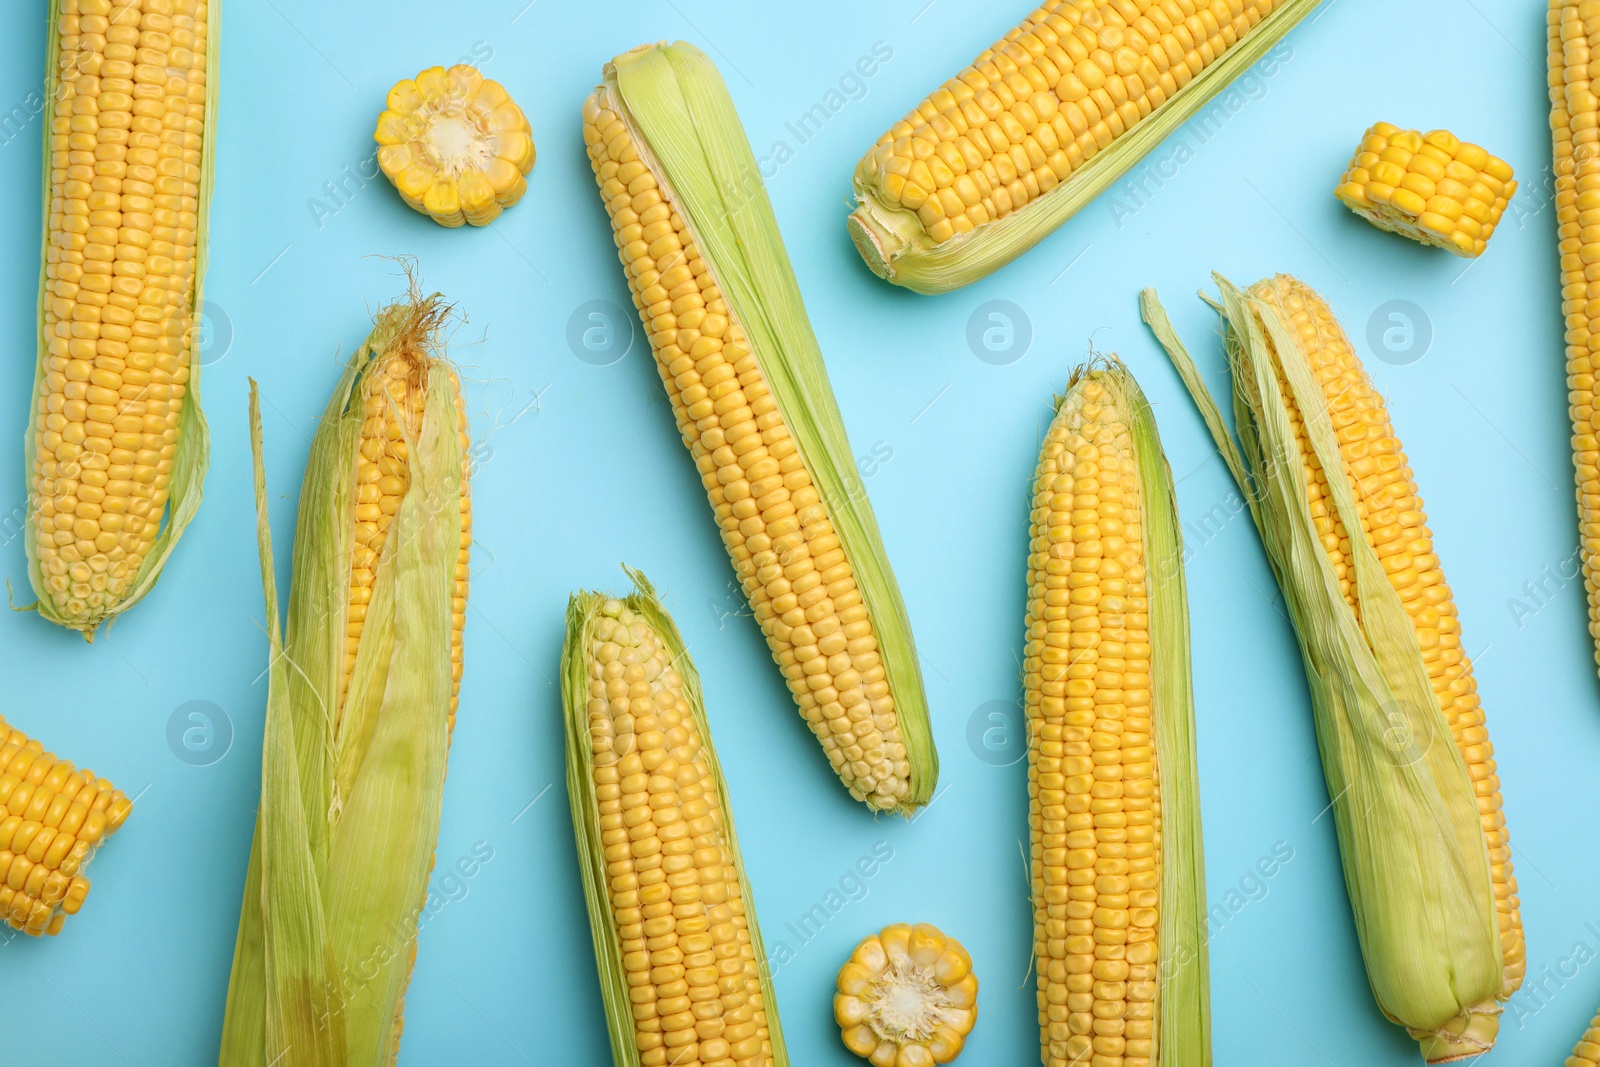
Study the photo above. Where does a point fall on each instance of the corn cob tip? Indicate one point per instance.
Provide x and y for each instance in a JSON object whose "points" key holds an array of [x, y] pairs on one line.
{"points": [[1470, 1034]]}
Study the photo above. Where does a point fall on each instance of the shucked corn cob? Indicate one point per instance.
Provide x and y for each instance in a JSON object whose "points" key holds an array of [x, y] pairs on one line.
{"points": [[1042, 122], [117, 446], [358, 730], [1430, 187], [1587, 1052], [713, 285], [681, 964], [52, 818], [1426, 855], [1574, 35], [907, 997], [1118, 874]]}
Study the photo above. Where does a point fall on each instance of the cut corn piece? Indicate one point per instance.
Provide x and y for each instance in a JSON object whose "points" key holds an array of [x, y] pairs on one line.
{"points": [[907, 997], [117, 446], [455, 145], [1427, 860], [52, 819], [735, 350], [1587, 1052], [1430, 187], [1574, 37], [1117, 864], [670, 909], [357, 732], [1042, 122]]}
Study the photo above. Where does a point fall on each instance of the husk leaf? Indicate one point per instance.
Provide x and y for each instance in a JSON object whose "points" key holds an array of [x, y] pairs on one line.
{"points": [[1416, 864]]}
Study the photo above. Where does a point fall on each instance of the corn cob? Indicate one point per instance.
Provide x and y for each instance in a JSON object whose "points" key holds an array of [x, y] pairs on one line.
{"points": [[455, 145], [714, 288], [1426, 855], [1574, 38], [681, 964], [907, 997], [358, 732], [1587, 1052], [1042, 122], [117, 446], [1430, 187], [1118, 889], [52, 819]]}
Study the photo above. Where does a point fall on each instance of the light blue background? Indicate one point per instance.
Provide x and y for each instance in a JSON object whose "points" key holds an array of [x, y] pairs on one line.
{"points": [[594, 475]]}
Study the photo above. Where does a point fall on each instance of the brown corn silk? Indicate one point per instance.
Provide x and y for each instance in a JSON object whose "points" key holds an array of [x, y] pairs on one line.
{"points": [[53, 817], [117, 447], [1574, 43], [363, 686], [1404, 746], [682, 970], [717, 296], [1114, 817]]}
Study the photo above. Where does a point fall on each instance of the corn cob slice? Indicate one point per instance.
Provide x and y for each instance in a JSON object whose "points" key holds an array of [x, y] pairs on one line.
{"points": [[117, 446], [455, 145], [1118, 887], [1574, 40], [713, 285], [1430, 187], [1042, 122], [52, 819], [1426, 855], [1587, 1052], [907, 997], [358, 733], [681, 964]]}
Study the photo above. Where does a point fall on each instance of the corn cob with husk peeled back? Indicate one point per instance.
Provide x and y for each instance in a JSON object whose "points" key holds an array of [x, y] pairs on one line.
{"points": [[1574, 38], [116, 445], [1114, 814], [719, 301], [360, 708], [1042, 122], [1409, 766], [682, 970], [53, 817]]}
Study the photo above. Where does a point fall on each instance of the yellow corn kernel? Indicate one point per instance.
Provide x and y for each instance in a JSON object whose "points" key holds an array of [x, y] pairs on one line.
{"points": [[1422, 188], [455, 145]]}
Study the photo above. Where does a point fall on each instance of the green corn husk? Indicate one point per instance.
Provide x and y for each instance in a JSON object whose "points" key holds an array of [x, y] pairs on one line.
{"points": [[595, 737], [193, 454], [1415, 860], [896, 246], [1183, 1019], [684, 126], [351, 789]]}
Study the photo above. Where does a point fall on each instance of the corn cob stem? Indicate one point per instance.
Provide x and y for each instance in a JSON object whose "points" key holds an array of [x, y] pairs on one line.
{"points": [[117, 446], [1118, 892], [682, 968], [752, 401]]}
